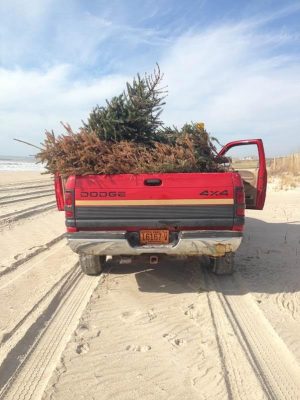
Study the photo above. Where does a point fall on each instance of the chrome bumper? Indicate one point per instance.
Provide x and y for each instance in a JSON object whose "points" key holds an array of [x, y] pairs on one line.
{"points": [[189, 243]]}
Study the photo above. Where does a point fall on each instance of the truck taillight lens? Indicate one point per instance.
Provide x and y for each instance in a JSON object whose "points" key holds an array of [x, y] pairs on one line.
{"points": [[68, 198], [239, 202], [71, 229], [59, 192], [69, 206]]}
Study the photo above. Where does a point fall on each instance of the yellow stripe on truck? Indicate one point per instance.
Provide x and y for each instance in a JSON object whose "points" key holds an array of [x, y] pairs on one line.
{"points": [[173, 202]]}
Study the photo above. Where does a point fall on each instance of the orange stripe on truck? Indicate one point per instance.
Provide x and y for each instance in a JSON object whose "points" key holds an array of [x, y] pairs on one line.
{"points": [[172, 202]]}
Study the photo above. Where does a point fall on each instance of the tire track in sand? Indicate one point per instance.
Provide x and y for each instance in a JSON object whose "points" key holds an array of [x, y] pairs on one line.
{"points": [[25, 197], [8, 218], [34, 253], [269, 363], [20, 201], [138, 338], [178, 322], [11, 338], [33, 261], [25, 371], [14, 187], [25, 306]]}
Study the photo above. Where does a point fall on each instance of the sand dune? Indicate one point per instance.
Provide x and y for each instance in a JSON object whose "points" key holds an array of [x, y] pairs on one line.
{"points": [[169, 331]]}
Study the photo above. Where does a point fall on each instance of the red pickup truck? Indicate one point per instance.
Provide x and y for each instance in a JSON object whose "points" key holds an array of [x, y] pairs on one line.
{"points": [[191, 214]]}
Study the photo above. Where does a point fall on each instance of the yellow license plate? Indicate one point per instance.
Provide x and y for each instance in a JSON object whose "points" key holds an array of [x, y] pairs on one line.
{"points": [[154, 236]]}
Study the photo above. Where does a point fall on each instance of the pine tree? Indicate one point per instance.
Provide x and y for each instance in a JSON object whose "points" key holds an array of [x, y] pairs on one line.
{"points": [[134, 115]]}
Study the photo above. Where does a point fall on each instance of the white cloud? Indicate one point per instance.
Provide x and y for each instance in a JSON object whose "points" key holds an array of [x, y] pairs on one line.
{"points": [[22, 26], [241, 80], [32, 101], [45, 34], [229, 78], [35, 9]]}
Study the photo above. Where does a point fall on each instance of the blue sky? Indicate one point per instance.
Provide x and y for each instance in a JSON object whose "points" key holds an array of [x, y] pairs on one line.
{"points": [[232, 64]]}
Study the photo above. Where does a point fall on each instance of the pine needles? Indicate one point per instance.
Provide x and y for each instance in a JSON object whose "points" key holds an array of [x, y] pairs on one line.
{"points": [[127, 136]]}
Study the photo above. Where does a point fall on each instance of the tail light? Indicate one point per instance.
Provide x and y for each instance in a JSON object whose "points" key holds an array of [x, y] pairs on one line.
{"points": [[59, 192], [71, 229], [69, 203], [239, 202]]}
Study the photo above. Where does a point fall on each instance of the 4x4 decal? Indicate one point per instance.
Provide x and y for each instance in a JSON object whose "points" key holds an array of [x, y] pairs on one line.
{"points": [[214, 193]]}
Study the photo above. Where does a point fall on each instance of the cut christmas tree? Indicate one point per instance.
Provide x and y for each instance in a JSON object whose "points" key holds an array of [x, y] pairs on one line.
{"points": [[127, 136]]}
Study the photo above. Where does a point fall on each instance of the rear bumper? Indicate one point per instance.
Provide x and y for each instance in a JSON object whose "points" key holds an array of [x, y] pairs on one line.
{"points": [[210, 243]]}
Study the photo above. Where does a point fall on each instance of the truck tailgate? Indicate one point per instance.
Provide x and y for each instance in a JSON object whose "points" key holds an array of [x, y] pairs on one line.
{"points": [[173, 201]]}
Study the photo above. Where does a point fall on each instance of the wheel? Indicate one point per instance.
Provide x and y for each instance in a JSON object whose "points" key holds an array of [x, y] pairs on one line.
{"points": [[223, 265], [91, 265]]}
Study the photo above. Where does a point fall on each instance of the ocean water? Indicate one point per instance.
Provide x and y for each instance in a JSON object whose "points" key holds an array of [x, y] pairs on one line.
{"points": [[16, 163]]}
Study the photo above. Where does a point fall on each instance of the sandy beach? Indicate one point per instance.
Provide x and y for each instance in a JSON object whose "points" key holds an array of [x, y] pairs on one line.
{"points": [[169, 331]]}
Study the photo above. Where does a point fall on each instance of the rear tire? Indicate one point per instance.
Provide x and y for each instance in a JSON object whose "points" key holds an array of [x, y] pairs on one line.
{"points": [[223, 265], [91, 265]]}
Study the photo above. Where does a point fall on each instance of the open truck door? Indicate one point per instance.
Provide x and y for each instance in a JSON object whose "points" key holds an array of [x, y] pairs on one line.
{"points": [[254, 177]]}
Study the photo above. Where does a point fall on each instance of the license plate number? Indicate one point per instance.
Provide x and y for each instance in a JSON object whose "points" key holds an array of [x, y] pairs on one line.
{"points": [[154, 236]]}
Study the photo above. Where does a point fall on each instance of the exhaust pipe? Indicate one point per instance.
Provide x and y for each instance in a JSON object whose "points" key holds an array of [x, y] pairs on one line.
{"points": [[153, 260]]}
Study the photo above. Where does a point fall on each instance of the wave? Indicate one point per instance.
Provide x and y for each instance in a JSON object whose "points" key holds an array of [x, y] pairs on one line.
{"points": [[17, 165]]}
